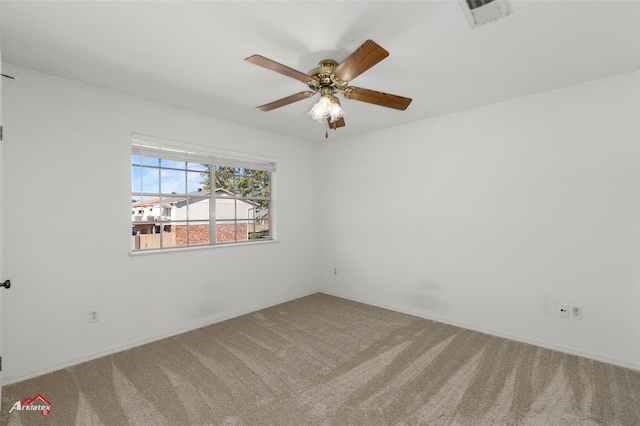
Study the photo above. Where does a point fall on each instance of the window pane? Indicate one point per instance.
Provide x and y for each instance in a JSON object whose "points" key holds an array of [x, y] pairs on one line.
{"points": [[259, 231], [173, 181], [136, 209], [261, 184], [168, 234], [197, 181], [233, 188], [145, 223], [199, 233], [151, 240], [242, 186], [192, 233], [165, 209], [198, 208], [181, 231], [226, 231], [225, 208], [136, 183], [198, 167], [150, 179], [145, 161], [259, 227], [149, 206], [262, 210], [223, 178], [245, 210], [174, 164]]}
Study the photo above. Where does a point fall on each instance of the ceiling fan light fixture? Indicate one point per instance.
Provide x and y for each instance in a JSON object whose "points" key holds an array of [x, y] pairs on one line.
{"points": [[326, 107]]}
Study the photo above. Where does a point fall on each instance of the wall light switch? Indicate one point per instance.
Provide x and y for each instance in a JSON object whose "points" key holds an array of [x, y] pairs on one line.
{"points": [[576, 312]]}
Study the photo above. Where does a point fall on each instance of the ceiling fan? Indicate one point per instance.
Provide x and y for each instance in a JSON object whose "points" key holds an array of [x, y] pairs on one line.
{"points": [[330, 78]]}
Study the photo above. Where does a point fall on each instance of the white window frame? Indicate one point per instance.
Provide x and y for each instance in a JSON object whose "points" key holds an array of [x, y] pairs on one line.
{"points": [[165, 149]]}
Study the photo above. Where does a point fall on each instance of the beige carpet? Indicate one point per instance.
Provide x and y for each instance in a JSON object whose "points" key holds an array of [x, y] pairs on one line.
{"points": [[322, 360]]}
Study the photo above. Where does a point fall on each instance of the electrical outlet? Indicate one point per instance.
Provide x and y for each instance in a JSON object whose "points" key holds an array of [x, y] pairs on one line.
{"points": [[563, 310], [576, 312], [93, 316]]}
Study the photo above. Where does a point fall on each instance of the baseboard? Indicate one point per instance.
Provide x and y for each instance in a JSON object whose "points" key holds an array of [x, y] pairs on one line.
{"points": [[51, 368], [496, 333]]}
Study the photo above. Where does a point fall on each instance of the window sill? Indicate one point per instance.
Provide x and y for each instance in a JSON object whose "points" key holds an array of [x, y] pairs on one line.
{"points": [[202, 247]]}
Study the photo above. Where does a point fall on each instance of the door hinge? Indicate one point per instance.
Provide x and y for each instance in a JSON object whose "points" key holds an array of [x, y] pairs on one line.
{"points": [[0, 133], [0, 363]]}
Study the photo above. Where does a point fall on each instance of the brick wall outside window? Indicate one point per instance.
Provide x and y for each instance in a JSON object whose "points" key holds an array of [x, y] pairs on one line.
{"points": [[199, 234]]}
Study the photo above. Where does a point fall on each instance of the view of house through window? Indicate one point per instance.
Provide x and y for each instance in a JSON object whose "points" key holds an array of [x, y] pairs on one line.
{"points": [[180, 202]]}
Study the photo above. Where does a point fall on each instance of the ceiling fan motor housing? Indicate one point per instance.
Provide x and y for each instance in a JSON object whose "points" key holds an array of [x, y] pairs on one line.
{"points": [[323, 77]]}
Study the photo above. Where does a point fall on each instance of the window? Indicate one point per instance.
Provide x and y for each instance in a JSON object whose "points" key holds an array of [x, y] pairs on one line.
{"points": [[181, 198]]}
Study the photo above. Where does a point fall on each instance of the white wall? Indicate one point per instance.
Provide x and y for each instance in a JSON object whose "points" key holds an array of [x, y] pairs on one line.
{"points": [[67, 152], [515, 207]]}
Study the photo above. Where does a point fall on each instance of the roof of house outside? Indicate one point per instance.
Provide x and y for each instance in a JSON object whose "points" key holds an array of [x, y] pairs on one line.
{"points": [[168, 201]]}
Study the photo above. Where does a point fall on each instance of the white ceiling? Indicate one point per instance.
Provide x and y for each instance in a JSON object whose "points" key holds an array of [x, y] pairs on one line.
{"points": [[191, 54]]}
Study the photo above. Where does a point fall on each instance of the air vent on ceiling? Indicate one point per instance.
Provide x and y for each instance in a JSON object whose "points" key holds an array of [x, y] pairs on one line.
{"points": [[480, 12]]}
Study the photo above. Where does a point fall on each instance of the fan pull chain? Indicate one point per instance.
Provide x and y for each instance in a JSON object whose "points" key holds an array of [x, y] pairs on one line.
{"points": [[333, 125]]}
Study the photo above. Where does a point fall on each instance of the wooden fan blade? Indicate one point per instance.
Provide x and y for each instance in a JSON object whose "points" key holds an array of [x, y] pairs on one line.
{"points": [[277, 67], [286, 101], [339, 122], [378, 98], [365, 56]]}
